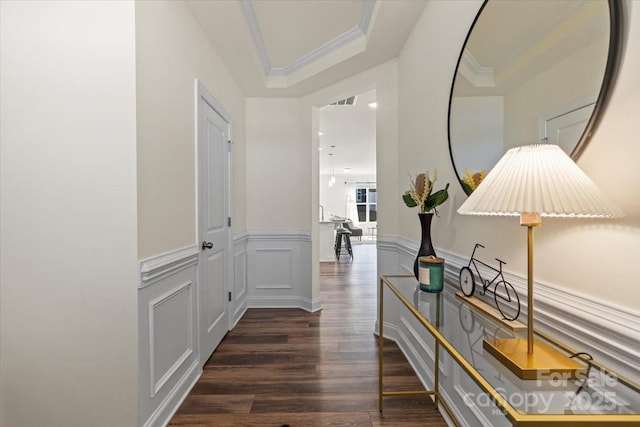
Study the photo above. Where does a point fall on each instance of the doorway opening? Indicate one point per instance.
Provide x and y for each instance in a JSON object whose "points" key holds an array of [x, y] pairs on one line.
{"points": [[347, 173]]}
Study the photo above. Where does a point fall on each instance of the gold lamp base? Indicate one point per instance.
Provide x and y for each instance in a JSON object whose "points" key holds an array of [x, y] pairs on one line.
{"points": [[544, 362]]}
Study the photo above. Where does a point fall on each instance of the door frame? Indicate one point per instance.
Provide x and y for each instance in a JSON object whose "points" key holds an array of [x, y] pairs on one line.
{"points": [[201, 92]]}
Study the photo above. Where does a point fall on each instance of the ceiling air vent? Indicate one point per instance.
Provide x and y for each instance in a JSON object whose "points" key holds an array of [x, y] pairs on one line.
{"points": [[349, 101]]}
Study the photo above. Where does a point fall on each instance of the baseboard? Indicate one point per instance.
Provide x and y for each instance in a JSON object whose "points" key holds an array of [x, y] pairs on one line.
{"points": [[238, 313], [312, 305], [169, 406], [285, 302], [276, 302]]}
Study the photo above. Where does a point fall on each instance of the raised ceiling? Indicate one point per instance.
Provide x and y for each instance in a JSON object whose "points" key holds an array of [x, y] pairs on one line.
{"points": [[319, 21], [540, 35], [292, 48]]}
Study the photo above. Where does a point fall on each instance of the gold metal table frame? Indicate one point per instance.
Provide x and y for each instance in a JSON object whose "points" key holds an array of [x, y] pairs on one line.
{"points": [[517, 418]]}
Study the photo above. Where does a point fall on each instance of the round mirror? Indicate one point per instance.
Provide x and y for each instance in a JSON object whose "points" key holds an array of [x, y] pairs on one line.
{"points": [[531, 72]]}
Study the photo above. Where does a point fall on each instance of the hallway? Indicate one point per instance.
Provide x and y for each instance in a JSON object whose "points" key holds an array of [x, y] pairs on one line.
{"points": [[290, 367]]}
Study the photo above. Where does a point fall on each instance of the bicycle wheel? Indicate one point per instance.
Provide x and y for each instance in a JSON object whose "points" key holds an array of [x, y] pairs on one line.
{"points": [[467, 321], [467, 281], [507, 300]]}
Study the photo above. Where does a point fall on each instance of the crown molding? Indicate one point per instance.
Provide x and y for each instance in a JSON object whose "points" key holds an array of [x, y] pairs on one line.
{"points": [[477, 74], [256, 35], [346, 45]]}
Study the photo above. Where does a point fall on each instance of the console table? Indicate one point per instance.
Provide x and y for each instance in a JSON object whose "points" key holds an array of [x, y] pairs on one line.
{"points": [[486, 389]]}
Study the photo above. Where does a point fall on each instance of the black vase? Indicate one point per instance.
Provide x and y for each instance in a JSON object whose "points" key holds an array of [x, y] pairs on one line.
{"points": [[426, 247]]}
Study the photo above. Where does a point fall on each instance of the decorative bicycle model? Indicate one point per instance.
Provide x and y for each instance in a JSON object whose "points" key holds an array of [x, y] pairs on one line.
{"points": [[504, 294]]}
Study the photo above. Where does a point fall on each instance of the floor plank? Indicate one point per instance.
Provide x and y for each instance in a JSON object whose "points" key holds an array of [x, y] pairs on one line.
{"points": [[290, 367]]}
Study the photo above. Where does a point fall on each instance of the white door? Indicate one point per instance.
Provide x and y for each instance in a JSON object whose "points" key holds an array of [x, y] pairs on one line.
{"points": [[213, 227], [566, 129]]}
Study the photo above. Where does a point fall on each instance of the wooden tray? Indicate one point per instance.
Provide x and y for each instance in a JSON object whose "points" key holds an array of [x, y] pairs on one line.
{"points": [[492, 312]]}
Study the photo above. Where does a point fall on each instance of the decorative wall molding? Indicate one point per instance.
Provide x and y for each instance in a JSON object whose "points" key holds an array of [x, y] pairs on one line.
{"points": [[169, 406], [467, 409], [608, 332], [276, 267], [285, 302], [164, 265], [279, 235], [168, 363], [274, 302], [420, 355], [402, 251], [398, 244], [279, 269], [240, 238], [155, 383], [454, 409], [240, 289]]}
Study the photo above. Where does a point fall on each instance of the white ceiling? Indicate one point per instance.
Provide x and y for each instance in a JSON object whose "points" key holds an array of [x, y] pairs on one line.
{"points": [[318, 21], [293, 48], [352, 130]]}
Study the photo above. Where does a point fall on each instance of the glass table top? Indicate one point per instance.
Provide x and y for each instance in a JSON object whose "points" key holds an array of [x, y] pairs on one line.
{"points": [[595, 392]]}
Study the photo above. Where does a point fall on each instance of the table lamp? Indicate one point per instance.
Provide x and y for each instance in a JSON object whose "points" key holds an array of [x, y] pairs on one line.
{"points": [[532, 182]]}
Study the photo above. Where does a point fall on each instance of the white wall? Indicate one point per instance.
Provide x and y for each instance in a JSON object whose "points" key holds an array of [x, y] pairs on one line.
{"points": [[425, 73], [582, 256], [278, 181], [68, 220], [478, 132], [571, 83], [278, 206], [172, 51]]}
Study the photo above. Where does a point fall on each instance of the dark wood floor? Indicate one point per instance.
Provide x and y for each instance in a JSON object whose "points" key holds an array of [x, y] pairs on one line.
{"points": [[290, 367]]}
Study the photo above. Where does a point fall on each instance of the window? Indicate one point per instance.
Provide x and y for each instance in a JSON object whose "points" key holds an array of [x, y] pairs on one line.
{"points": [[367, 204]]}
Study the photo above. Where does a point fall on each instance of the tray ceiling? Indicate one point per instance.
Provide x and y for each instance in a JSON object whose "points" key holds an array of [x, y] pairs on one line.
{"points": [[291, 48]]}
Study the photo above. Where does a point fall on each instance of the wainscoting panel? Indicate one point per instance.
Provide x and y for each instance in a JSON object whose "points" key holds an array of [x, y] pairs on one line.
{"points": [[274, 268], [395, 255], [170, 334], [279, 269], [240, 290], [607, 332], [469, 402], [167, 318]]}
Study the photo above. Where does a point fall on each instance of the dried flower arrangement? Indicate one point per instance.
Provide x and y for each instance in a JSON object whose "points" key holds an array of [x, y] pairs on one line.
{"points": [[421, 193]]}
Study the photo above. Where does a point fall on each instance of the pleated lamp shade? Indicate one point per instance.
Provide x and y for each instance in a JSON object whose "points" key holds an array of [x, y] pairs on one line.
{"points": [[538, 179]]}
